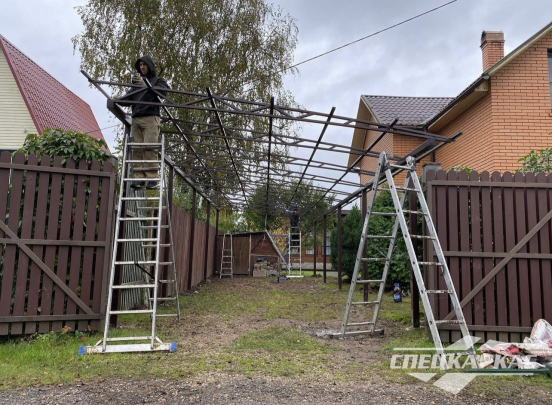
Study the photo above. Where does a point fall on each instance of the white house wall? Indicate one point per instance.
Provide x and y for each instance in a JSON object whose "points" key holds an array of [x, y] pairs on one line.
{"points": [[15, 119]]}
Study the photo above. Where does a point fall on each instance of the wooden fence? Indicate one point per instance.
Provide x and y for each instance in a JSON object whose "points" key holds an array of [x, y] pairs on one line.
{"points": [[495, 232], [55, 241]]}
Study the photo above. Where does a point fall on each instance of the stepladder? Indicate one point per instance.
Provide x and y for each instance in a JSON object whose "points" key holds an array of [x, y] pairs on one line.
{"points": [[143, 245], [361, 316], [294, 262], [227, 257]]}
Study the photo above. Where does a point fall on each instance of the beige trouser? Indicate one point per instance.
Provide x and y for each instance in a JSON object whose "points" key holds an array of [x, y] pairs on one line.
{"points": [[145, 130]]}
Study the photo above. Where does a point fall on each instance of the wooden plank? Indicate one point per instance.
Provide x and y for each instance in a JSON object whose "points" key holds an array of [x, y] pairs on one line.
{"points": [[545, 205], [477, 268], [465, 269], [50, 254], [46, 242], [75, 264], [4, 196], [533, 275], [8, 278], [511, 267], [39, 233], [504, 184], [487, 328], [65, 233], [489, 309], [34, 168], [498, 238], [48, 271], [494, 255], [522, 264], [29, 193], [103, 254], [453, 243], [442, 307], [46, 318]]}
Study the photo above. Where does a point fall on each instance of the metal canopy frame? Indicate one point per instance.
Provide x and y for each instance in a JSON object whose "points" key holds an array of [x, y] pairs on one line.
{"points": [[230, 150]]}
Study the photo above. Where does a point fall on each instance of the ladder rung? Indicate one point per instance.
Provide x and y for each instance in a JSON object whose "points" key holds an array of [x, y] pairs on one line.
{"points": [[360, 323], [166, 281], [164, 207], [165, 315], [449, 322], [439, 291], [142, 199], [122, 339], [132, 311], [140, 179], [161, 245], [365, 303], [380, 236], [422, 237], [385, 214], [414, 212], [374, 259], [130, 286], [144, 145], [430, 263], [143, 161], [399, 167], [398, 189], [137, 240], [369, 281], [139, 219], [153, 226], [146, 262]]}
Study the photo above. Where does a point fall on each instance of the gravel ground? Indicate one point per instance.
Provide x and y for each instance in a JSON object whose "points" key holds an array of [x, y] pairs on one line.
{"points": [[223, 389], [217, 388]]}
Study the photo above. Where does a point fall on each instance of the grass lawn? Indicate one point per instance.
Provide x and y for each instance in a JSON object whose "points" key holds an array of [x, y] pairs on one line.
{"points": [[241, 326]]}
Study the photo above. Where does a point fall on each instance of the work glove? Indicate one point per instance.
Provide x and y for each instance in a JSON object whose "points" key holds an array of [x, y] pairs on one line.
{"points": [[137, 79]]}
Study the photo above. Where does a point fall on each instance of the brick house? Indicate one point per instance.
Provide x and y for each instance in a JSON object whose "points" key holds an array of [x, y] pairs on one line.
{"points": [[504, 114], [31, 100]]}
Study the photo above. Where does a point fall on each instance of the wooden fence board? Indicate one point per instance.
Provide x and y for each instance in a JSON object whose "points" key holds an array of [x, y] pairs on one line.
{"points": [[496, 237]]}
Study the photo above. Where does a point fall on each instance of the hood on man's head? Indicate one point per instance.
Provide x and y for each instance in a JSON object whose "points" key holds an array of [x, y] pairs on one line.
{"points": [[148, 61]]}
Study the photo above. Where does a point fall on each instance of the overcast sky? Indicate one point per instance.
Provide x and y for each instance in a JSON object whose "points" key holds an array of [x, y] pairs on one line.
{"points": [[435, 55]]}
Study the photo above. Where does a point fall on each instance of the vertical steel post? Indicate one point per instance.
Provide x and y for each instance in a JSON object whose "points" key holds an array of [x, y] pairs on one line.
{"points": [[414, 291], [364, 204], [339, 267], [315, 251], [191, 239], [215, 250], [166, 250], [206, 257], [324, 249]]}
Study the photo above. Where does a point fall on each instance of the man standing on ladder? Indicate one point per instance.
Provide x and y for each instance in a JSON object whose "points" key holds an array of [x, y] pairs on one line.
{"points": [[146, 122]]}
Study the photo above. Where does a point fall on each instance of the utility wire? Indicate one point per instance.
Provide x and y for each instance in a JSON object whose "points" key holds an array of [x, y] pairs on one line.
{"points": [[354, 42]]}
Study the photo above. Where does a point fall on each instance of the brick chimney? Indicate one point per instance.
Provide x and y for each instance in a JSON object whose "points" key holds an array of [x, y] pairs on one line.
{"points": [[492, 46]]}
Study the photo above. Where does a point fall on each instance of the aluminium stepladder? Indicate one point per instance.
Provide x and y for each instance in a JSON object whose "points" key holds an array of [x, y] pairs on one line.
{"points": [[153, 226], [294, 249], [227, 259], [384, 173]]}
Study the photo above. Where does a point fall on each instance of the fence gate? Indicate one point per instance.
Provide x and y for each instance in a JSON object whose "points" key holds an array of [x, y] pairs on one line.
{"points": [[55, 241], [495, 232]]}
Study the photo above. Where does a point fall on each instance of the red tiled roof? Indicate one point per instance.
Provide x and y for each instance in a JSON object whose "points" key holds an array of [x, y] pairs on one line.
{"points": [[49, 102]]}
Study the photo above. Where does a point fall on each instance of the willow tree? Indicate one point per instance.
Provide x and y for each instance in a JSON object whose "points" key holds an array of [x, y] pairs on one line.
{"points": [[240, 48]]}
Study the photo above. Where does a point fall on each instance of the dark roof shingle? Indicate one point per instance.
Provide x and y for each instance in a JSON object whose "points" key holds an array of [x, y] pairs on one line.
{"points": [[411, 111]]}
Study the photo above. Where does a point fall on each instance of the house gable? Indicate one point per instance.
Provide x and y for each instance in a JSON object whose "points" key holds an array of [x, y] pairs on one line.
{"points": [[15, 120], [49, 103]]}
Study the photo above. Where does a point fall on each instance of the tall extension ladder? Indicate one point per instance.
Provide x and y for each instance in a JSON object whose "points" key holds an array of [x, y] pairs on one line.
{"points": [[151, 266], [384, 171], [227, 259], [294, 248]]}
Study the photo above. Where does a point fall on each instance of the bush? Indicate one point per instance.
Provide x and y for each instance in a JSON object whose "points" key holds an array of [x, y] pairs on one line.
{"points": [[537, 161], [399, 272], [67, 144]]}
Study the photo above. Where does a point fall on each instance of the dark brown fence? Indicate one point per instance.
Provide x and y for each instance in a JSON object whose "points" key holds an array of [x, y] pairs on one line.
{"points": [[495, 232], [181, 233], [55, 241]]}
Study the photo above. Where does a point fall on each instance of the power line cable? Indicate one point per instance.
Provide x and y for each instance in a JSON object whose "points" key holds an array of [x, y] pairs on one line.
{"points": [[353, 42]]}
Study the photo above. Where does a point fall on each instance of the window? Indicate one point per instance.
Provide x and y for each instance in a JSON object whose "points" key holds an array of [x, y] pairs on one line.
{"points": [[550, 73], [328, 248]]}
